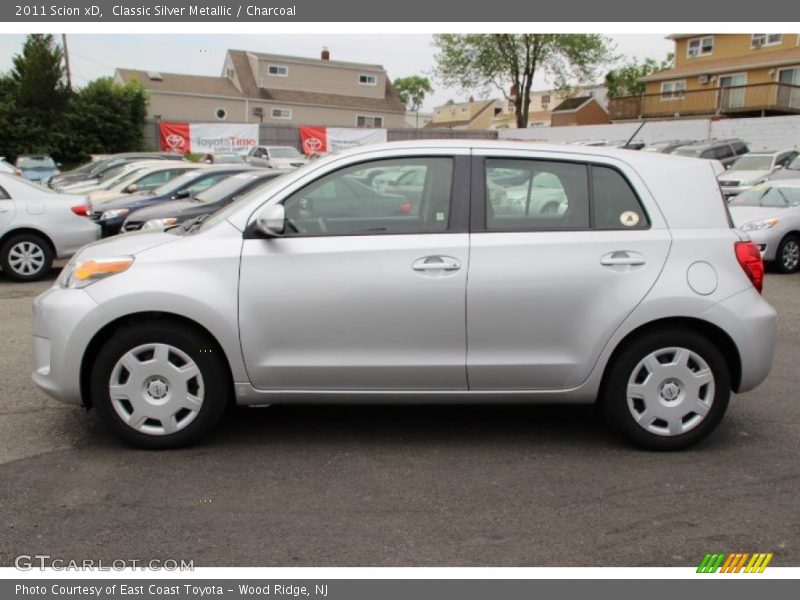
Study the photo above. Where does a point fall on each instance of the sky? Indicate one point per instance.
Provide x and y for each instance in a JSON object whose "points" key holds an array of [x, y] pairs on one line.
{"points": [[97, 55]]}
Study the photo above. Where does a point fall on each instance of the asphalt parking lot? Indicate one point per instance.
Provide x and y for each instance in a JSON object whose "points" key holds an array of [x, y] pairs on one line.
{"points": [[399, 486]]}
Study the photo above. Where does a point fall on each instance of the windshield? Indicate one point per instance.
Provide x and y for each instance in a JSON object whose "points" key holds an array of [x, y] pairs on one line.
{"points": [[112, 173], [177, 184], [286, 152], [772, 197], [35, 162], [688, 151], [224, 188], [753, 163]]}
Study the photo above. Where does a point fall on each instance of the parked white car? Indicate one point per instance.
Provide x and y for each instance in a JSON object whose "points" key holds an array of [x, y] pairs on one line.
{"points": [[38, 225], [276, 157], [770, 214], [752, 169], [141, 177]]}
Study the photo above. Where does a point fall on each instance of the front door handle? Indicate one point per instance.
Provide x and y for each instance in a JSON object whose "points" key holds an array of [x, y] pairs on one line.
{"points": [[623, 258], [436, 263]]}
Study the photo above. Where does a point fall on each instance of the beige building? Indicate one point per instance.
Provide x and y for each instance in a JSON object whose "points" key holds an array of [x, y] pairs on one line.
{"points": [[540, 111], [466, 115], [277, 90]]}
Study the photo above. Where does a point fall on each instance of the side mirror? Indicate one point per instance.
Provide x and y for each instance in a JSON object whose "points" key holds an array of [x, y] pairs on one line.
{"points": [[183, 193], [272, 221], [131, 189]]}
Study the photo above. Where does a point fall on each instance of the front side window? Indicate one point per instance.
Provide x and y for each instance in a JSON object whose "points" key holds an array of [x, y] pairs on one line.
{"points": [[380, 197], [206, 182], [153, 180], [536, 194]]}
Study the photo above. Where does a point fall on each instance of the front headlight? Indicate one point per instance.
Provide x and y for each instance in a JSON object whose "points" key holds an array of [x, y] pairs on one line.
{"points": [[114, 213], [160, 223], [759, 225], [79, 274]]}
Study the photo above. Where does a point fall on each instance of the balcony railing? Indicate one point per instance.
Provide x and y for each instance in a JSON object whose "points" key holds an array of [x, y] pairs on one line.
{"points": [[761, 98]]}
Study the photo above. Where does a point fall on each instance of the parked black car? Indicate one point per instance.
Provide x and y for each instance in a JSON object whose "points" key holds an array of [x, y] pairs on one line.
{"points": [[111, 215], [175, 213]]}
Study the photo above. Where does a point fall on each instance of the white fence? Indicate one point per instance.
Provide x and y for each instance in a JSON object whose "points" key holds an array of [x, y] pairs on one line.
{"points": [[760, 133]]}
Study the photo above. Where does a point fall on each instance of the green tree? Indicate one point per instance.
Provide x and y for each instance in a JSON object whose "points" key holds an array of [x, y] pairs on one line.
{"points": [[624, 80], [509, 62], [412, 91], [40, 76]]}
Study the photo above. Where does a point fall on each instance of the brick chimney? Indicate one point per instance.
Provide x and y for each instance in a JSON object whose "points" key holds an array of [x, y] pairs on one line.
{"points": [[326, 54]]}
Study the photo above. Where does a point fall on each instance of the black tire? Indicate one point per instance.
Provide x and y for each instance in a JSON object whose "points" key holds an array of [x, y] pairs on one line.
{"points": [[37, 241], [787, 264], [614, 396], [198, 347]]}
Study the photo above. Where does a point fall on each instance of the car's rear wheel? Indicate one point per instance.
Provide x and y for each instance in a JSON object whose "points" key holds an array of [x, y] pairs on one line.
{"points": [[26, 257], [667, 390], [160, 385], [787, 258]]}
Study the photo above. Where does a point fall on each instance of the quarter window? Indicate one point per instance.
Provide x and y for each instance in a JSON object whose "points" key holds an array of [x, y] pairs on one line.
{"points": [[4, 194], [375, 198], [615, 204], [536, 194]]}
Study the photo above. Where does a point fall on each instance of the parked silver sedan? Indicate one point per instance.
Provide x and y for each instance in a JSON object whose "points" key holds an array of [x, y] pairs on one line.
{"points": [[770, 214], [38, 225]]}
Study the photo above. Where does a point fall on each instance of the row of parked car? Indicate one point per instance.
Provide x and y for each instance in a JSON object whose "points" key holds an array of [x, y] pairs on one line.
{"points": [[50, 216]]}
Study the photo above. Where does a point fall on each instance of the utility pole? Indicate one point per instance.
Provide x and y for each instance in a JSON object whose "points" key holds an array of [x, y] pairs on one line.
{"points": [[66, 60]]}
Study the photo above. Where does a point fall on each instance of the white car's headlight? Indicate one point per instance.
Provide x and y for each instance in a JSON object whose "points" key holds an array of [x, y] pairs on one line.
{"points": [[114, 213], [759, 225], [159, 223], [79, 274]]}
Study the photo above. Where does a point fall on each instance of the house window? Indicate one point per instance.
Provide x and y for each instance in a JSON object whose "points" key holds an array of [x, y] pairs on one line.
{"points": [[367, 79], [278, 70], [221, 114], [765, 39], [545, 101], [672, 90], [368, 122], [700, 46], [230, 72], [281, 113]]}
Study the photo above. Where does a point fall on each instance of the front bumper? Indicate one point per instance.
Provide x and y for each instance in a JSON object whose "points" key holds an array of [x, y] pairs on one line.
{"points": [[751, 323], [767, 241], [64, 322]]}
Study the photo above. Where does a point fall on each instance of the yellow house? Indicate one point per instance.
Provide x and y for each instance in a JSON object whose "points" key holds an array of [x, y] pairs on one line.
{"points": [[465, 115], [733, 74]]}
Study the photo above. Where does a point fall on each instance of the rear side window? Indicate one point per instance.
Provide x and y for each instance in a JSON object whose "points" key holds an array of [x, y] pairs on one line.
{"points": [[616, 205], [536, 195], [4, 194]]}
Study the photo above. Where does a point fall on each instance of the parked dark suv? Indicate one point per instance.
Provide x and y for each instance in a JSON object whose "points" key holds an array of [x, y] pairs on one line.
{"points": [[725, 151]]}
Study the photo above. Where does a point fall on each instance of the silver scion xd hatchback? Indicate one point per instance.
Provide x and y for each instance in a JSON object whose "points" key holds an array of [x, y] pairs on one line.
{"points": [[500, 272]]}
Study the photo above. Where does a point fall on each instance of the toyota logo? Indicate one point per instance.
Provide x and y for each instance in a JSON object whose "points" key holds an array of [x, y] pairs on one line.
{"points": [[175, 141], [312, 144]]}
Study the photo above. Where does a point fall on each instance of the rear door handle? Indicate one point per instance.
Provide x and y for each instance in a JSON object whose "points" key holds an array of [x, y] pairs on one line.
{"points": [[623, 258], [436, 263]]}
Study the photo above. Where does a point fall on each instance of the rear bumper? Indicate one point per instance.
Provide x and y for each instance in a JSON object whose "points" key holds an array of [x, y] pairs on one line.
{"points": [[751, 323], [71, 237]]}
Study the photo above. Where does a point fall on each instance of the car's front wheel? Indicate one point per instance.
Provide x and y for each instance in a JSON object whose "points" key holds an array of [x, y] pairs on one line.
{"points": [[667, 390], [160, 385], [787, 258], [26, 257]]}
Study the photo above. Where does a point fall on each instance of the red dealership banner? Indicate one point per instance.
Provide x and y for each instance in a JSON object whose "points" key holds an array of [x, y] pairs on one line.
{"points": [[183, 138], [333, 139]]}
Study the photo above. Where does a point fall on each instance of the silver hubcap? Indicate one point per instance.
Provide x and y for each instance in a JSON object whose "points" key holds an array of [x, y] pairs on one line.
{"points": [[156, 389], [790, 255], [26, 258], [670, 391]]}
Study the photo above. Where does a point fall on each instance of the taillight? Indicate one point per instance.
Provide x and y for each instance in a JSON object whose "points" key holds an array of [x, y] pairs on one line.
{"points": [[750, 258], [81, 210]]}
